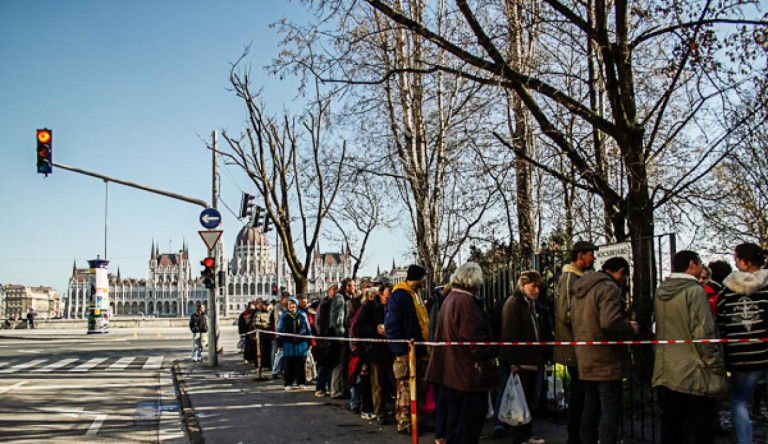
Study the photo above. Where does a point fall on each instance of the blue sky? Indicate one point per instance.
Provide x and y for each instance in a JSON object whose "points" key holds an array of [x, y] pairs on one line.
{"points": [[129, 89]]}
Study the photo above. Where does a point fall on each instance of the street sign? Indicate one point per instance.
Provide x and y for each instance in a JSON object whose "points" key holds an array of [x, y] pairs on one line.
{"points": [[211, 238], [210, 218]]}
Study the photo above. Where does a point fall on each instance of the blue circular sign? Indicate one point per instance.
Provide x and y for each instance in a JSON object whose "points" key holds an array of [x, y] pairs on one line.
{"points": [[210, 218]]}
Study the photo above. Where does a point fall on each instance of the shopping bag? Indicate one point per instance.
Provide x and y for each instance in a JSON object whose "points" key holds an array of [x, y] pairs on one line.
{"points": [[309, 368], [427, 406], [490, 413], [204, 339], [241, 343], [513, 409]]}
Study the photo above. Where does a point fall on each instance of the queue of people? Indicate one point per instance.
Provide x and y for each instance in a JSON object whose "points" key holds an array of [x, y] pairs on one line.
{"points": [[466, 383]]}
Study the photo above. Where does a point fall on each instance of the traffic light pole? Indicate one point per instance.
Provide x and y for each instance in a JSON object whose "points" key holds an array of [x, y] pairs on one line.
{"points": [[213, 358]]}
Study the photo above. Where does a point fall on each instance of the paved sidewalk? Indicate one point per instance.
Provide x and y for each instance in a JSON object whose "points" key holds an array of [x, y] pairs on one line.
{"points": [[229, 406]]}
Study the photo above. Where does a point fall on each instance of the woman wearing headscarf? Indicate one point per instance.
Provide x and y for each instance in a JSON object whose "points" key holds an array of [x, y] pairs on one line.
{"points": [[294, 349]]}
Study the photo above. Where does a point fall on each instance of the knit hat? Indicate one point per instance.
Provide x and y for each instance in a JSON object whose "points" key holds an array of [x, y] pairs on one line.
{"points": [[530, 276], [295, 301], [415, 273]]}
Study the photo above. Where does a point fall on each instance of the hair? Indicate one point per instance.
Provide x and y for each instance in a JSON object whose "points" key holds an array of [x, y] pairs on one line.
{"points": [[370, 293], [530, 276], [575, 253], [682, 260], [720, 271], [468, 275], [751, 253], [384, 286], [345, 283], [616, 263]]}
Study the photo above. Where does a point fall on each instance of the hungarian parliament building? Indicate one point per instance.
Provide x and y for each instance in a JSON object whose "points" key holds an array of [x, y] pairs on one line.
{"points": [[173, 289]]}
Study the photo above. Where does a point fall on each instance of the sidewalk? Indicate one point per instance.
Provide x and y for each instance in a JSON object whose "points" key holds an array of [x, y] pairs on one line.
{"points": [[229, 406]]}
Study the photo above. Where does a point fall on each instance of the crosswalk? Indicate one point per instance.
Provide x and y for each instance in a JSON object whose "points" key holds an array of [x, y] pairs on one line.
{"points": [[78, 365]]}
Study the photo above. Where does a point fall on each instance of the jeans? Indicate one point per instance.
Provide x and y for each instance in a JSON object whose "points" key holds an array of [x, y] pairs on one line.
{"points": [[743, 385], [197, 346], [602, 412], [575, 406], [323, 378]]}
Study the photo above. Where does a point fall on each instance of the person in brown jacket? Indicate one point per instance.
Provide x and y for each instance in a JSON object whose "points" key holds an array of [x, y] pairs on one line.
{"points": [[597, 314], [464, 374], [582, 260], [520, 323]]}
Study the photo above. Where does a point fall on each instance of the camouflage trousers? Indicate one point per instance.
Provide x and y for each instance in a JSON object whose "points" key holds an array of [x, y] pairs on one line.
{"points": [[402, 376]]}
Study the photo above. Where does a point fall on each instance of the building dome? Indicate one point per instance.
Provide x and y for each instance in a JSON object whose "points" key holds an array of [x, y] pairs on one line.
{"points": [[251, 236]]}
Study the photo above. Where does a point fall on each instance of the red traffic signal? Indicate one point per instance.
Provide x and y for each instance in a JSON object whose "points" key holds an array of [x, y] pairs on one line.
{"points": [[207, 262]]}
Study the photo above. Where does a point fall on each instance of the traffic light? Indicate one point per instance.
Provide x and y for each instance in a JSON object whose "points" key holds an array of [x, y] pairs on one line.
{"points": [[274, 289], [258, 213], [44, 151], [267, 223], [208, 274], [246, 205]]}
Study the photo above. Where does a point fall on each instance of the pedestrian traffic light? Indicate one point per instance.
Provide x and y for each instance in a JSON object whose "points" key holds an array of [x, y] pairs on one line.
{"points": [[208, 274], [44, 151]]}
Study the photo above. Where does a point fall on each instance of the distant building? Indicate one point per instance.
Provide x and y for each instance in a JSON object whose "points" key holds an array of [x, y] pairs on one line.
{"points": [[19, 299], [328, 269], [393, 276], [2, 300]]}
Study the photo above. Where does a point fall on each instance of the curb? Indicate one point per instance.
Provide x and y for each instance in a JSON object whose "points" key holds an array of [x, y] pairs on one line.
{"points": [[41, 338], [187, 410]]}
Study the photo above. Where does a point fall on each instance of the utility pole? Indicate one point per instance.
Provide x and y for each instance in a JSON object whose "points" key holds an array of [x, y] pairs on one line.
{"points": [[213, 359]]}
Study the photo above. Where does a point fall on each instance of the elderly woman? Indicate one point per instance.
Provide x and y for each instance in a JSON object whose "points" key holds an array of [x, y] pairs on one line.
{"points": [[465, 374], [294, 349], [520, 323]]}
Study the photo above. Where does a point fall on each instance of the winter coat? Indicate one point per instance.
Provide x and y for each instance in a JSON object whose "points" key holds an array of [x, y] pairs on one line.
{"points": [[295, 323], [465, 368], [565, 354], [323, 317], [197, 323], [259, 319], [742, 312], [372, 315], [402, 319], [353, 305], [682, 311], [337, 321], [243, 320], [597, 314], [520, 322]]}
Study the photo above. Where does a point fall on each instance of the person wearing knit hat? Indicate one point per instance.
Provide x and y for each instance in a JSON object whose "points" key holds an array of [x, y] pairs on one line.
{"points": [[294, 349], [407, 318], [520, 322]]}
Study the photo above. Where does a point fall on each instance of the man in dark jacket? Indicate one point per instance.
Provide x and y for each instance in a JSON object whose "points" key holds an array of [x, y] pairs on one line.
{"points": [[597, 314], [407, 318], [582, 260], [378, 356], [338, 327], [198, 326]]}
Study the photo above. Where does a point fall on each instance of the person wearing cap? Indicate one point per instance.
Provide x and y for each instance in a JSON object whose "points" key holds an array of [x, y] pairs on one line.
{"points": [[294, 349], [598, 314], [520, 322], [582, 260], [407, 318]]}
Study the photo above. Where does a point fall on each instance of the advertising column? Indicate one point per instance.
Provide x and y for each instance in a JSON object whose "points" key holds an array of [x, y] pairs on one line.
{"points": [[98, 310]]}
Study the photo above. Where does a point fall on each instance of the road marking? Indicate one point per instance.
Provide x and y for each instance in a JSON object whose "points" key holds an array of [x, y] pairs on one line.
{"points": [[22, 366], [74, 413], [98, 419], [84, 367], [54, 365], [90, 387], [153, 363], [97, 422], [121, 364], [38, 351], [11, 387]]}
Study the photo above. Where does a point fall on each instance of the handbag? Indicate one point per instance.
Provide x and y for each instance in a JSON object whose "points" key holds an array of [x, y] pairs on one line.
{"points": [[427, 406], [513, 409]]}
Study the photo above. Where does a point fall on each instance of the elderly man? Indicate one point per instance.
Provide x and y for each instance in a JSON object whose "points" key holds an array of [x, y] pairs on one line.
{"points": [[407, 318], [465, 374]]}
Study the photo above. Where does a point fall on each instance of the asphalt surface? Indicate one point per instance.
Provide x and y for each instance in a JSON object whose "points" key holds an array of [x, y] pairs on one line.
{"points": [[61, 385]]}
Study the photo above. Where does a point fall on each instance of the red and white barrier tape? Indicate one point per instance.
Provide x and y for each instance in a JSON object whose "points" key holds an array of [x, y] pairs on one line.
{"points": [[522, 343]]}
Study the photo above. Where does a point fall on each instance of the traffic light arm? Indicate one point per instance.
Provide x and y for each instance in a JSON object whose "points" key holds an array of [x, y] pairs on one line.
{"points": [[176, 196]]}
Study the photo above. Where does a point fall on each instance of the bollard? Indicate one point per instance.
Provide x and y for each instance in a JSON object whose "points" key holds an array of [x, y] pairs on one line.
{"points": [[412, 375]]}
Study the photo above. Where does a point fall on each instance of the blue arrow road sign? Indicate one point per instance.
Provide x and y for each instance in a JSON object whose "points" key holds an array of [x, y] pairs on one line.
{"points": [[210, 218]]}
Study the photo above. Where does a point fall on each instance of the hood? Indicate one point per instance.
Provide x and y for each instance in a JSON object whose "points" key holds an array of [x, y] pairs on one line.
{"points": [[745, 283], [572, 268], [589, 280], [675, 285]]}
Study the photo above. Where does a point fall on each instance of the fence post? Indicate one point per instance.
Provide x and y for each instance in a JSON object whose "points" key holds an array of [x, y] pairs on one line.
{"points": [[412, 374], [258, 351]]}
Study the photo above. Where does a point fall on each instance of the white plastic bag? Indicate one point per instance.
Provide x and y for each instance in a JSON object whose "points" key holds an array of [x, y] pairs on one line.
{"points": [[204, 339], [309, 368], [513, 409], [490, 413]]}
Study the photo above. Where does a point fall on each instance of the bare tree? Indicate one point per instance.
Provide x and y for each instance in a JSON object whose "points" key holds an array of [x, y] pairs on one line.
{"points": [[295, 169]]}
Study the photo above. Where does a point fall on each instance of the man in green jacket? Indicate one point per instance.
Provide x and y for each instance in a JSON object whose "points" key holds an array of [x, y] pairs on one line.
{"points": [[688, 376], [582, 260]]}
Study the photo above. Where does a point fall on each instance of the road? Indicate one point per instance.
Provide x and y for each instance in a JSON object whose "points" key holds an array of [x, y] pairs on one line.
{"points": [[68, 386]]}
